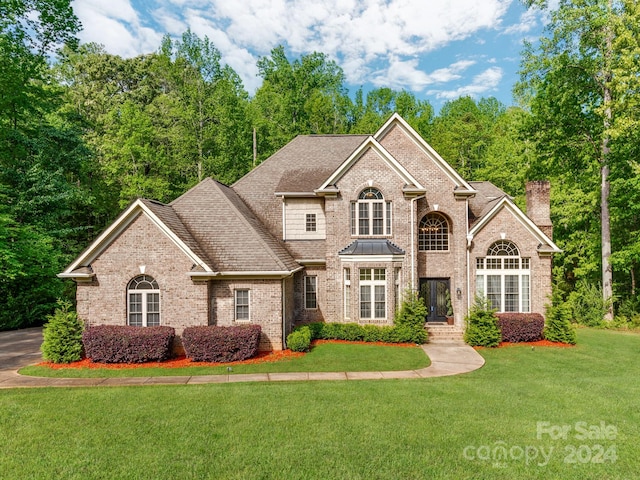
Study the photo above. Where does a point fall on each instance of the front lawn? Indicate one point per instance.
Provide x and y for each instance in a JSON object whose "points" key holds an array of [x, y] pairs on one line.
{"points": [[326, 357], [519, 403]]}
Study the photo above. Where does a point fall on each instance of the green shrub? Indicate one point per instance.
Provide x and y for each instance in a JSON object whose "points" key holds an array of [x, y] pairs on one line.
{"points": [[62, 335], [352, 332], [331, 331], [586, 304], [366, 333], [413, 311], [316, 329], [372, 333], [300, 339], [408, 334], [482, 325], [558, 327]]}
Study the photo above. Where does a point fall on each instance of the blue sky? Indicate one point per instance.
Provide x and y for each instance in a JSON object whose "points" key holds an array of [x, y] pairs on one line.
{"points": [[439, 50]]}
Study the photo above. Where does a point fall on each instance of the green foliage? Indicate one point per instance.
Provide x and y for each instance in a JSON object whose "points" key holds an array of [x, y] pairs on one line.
{"points": [[586, 305], [413, 311], [63, 335], [482, 325], [368, 333], [558, 327], [300, 339]]}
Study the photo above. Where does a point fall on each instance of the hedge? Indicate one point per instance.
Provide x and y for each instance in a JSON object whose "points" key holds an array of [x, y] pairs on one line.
{"points": [[221, 344], [520, 327], [125, 344], [366, 333], [300, 339]]}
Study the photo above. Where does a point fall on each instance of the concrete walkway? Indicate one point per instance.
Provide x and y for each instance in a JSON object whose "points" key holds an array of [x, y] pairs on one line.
{"points": [[22, 347]]}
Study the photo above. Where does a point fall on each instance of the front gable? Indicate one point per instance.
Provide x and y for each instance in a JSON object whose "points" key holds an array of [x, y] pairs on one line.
{"points": [[372, 151], [406, 145], [80, 269]]}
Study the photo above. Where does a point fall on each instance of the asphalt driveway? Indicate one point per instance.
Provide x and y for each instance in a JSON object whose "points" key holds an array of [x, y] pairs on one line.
{"points": [[19, 348]]}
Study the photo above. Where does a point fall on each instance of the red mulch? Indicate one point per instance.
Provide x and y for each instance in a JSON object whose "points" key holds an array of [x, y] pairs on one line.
{"points": [[182, 361], [539, 343]]}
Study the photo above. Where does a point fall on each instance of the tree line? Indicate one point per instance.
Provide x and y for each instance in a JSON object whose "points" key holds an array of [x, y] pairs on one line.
{"points": [[84, 132]]}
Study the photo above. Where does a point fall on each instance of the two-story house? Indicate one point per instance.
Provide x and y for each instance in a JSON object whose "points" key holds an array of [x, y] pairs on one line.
{"points": [[330, 228]]}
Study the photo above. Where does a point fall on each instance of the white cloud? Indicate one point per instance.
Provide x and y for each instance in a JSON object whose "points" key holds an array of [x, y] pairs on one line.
{"points": [[482, 83], [528, 22], [406, 74]]}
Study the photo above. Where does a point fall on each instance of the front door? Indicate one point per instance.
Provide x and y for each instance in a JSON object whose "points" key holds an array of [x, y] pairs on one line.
{"points": [[434, 292]]}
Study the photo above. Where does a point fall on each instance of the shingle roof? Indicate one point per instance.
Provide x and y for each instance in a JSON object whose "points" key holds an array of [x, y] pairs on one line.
{"points": [[229, 233], [483, 201], [372, 247]]}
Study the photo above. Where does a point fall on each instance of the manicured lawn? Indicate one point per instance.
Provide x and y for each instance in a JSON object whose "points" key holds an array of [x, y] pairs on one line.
{"points": [[327, 357], [443, 428]]}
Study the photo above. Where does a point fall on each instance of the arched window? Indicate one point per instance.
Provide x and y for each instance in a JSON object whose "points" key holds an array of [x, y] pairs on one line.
{"points": [[433, 233], [143, 302], [370, 214], [503, 277]]}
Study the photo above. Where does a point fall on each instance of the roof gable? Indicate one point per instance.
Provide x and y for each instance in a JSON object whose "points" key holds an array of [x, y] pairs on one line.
{"points": [[370, 144], [161, 215], [462, 187], [505, 203]]}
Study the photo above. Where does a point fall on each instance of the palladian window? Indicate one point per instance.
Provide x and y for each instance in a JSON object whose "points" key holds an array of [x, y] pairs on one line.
{"points": [[370, 214], [143, 302], [503, 277]]}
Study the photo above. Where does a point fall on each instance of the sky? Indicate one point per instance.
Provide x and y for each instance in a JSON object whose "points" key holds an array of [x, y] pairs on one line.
{"points": [[437, 49]]}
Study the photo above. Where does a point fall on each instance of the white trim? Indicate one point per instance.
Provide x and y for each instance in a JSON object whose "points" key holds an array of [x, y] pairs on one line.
{"points": [[369, 143], [116, 228], [449, 171], [235, 305], [243, 274], [507, 203], [371, 258]]}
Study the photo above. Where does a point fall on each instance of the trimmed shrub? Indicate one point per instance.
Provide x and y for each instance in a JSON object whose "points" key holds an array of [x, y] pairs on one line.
{"points": [[520, 327], [372, 333], [126, 344], [482, 326], [62, 335], [221, 344], [300, 339], [366, 333], [413, 311], [352, 332], [559, 327]]}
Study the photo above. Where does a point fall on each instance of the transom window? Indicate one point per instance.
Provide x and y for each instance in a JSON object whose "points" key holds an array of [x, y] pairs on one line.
{"points": [[143, 302], [504, 278], [373, 293], [433, 233], [370, 214]]}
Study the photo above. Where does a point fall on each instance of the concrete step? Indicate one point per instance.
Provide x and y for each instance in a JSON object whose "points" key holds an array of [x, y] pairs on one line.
{"points": [[444, 333]]}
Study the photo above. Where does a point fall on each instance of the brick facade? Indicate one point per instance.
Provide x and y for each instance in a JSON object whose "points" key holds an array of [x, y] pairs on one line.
{"points": [[253, 237]]}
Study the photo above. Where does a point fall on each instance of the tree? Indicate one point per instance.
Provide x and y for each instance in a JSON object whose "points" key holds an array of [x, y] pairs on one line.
{"points": [[576, 96]]}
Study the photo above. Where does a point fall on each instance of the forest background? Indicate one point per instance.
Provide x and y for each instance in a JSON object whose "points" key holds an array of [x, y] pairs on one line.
{"points": [[84, 132]]}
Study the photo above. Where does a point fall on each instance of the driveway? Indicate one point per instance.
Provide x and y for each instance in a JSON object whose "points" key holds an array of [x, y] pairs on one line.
{"points": [[20, 347]]}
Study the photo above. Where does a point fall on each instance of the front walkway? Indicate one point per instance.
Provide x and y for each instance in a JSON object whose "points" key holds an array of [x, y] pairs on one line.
{"points": [[21, 347]]}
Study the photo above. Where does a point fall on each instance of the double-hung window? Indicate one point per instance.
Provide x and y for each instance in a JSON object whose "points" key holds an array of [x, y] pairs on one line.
{"points": [[503, 277], [370, 214], [310, 292], [373, 293], [242, 303]]}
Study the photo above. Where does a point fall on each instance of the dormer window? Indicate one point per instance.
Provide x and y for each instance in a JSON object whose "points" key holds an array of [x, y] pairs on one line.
{"points": [[370, 214]]}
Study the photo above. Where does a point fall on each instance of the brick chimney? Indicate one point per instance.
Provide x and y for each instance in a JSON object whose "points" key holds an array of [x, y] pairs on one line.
{"points": [[538, 205]]}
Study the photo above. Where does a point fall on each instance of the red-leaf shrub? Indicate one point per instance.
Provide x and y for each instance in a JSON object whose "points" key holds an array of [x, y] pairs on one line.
{"points": [[125, 344], [221, 344], [520, 327]]}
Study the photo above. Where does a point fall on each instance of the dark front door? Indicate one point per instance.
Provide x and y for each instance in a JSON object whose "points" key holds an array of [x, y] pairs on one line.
{"points": [[434, 292]]}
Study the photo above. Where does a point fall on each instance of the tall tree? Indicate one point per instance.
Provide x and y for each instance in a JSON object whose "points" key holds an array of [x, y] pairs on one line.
{"points": [[570, 78]]}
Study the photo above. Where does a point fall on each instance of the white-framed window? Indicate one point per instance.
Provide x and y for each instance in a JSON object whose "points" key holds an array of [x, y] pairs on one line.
{"points": [[503, 277], [433, 233], [310, 292], [347, 293], [143, 302], [310, 222], [370, 214], [242, 303], [396, 287], [373, 293]]}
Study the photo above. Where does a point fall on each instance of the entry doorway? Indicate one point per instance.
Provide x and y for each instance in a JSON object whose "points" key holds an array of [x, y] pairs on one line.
{"points": [[435, 294]]}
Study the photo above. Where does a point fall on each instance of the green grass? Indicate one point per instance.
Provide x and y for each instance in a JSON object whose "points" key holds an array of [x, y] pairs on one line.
{"points": [[326, 357], [380, 429]]}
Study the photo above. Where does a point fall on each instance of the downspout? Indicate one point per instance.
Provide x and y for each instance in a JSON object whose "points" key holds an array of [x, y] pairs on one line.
{"points": [[469, 238], [284, 313], [413, 243]]}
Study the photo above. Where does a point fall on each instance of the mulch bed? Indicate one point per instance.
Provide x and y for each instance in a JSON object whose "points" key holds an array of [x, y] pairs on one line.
{"points": [[182, 361], [539, 343]]}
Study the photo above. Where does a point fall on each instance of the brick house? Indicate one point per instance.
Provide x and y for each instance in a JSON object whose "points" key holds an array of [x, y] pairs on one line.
{"points": [[331, 227]]}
